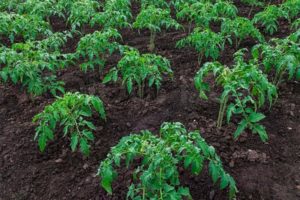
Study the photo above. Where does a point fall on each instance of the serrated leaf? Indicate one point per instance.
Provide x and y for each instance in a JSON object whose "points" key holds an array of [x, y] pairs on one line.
{"points": [[242, 125], [84, 146], [256, 117], [74, 141]]}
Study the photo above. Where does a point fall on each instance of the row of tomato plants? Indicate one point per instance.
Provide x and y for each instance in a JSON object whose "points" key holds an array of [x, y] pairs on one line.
{"points": [[246, 88]]}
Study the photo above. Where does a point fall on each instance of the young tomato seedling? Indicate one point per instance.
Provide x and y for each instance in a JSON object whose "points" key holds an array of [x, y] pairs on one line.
{"points": [[206, 42], [239, 29], [154, 19], [245, 89], [280, 56], [95, 48], [269, 18], [157, 176], [137, 69], [69, 112]]}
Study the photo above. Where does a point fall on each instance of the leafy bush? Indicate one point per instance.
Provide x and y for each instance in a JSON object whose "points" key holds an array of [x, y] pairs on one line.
{"points": [[292, 8], [249, 88], [296, 24], [69, 112], [225, 9], [95, 47], [33, 64], [27, 26], [117, 14], [206, 42], [239, 29], [137, 69], [9, 5], [82, 12], [253, 3], [281, 56], [200, 13], [43, 9], [155, 3], [269, 17], [154, 19], [157, 177]]}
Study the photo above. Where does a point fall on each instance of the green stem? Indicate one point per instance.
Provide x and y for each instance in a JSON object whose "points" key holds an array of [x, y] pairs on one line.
{"points": [[250, 12], [160, 190], [144, 193], [221, 112], [200, 57], [152, 41]]}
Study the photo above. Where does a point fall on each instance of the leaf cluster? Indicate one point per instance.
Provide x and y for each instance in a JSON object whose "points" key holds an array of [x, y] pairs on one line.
{"points": [[29, 27], [69, 112], [34, 64], [153, 19], [116, 14], [157, 176], [202, 13], [269, 17], [95, 47], [280, 56], [239, 29], [246, 89], [206, 42], [136, 69]]}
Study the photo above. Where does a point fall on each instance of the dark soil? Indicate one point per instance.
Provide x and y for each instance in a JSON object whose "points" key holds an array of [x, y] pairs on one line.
{"points": [[269, 171]]}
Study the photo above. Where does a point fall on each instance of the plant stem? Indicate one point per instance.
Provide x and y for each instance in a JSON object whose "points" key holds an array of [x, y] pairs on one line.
{"points": [[200, 57], [160, 190], [152, 41], [250, 12], [221, 112]]}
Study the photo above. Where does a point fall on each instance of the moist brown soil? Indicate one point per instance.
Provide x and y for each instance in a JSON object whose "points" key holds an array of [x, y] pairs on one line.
{"points": [[262, 170]]}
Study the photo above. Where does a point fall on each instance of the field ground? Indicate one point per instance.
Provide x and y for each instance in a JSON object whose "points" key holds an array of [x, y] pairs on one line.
{"points": [[263, 171]]}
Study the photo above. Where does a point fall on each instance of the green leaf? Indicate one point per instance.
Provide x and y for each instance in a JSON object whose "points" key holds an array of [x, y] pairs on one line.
{"points": [[256, 117], [88, 134], [74, 141], [184, 191], [90, 125], [42, 142], [242, 125], [224, 181], [129, 85], [214, 171], [84, 146], [260, 129], [107, 178]]}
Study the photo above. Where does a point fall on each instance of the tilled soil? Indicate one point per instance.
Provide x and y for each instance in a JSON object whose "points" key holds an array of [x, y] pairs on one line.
{"points": [[262, 170]]}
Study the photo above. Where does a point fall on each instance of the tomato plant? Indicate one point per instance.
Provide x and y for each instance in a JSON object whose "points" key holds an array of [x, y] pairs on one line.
{"points": [[27, 26], [95, 48], [200, 13], [156, 3], [253, 3], [239, 29], [69, 112], [157, 176], [137, 69], [292, 8], [246, 85], [269, 17], [154, 19], [34, 64], [82, 12], [206, 42], [281, 56], [117, 14]]}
